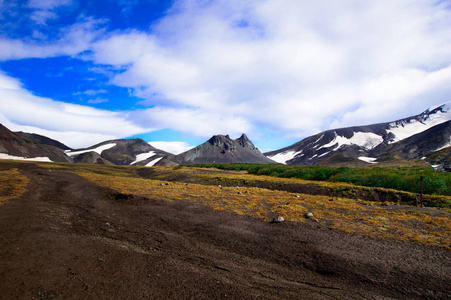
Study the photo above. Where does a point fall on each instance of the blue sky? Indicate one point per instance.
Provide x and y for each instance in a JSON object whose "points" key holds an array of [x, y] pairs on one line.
{"points": [[177, 72]]}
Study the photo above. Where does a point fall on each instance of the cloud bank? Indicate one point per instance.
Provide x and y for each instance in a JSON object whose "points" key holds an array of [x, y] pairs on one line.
{"points": [[74, 125], [292, 67]]}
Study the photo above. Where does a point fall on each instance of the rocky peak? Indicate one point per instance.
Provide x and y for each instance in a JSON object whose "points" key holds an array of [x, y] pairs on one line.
{"points": [[220, 140], [244, 141]]}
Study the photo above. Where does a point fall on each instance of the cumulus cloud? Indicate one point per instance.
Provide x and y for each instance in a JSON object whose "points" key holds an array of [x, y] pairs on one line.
{"points": [[75, 125], [172, 147], [193, 121], [44, 10], [71, 41], [294, 67]]}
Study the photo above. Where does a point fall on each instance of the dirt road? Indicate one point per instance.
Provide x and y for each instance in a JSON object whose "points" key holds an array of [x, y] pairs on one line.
{"points": [[67, 238]]}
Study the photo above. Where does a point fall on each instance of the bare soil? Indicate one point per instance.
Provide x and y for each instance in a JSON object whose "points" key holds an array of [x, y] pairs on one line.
{"points": [[67, 238]]}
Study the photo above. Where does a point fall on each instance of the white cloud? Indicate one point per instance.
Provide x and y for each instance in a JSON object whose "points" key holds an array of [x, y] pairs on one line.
{"points": [[295, 67], [75, 125], [97, 100], [172, 147], [73, 40], [193, 121], [91, 92], [45, 9]]}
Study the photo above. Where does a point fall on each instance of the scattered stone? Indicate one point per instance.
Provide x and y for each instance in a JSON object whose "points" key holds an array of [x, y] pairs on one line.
{"points": [[219, 186], [308, 215], [279, 219]]}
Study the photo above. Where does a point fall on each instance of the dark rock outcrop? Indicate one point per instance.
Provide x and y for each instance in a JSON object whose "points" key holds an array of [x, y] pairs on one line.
{"points": [[223, 149]]}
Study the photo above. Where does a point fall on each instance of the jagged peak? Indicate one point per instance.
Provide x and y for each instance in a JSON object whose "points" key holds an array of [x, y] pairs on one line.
{"points": [[244, 141]]}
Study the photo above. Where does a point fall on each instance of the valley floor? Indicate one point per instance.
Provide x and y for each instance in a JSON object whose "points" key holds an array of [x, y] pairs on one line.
{"points": [[68, 238]]}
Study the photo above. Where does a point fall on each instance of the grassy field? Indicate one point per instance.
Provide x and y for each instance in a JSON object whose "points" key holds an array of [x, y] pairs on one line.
{"points": [[264, 197], [337, 213]]}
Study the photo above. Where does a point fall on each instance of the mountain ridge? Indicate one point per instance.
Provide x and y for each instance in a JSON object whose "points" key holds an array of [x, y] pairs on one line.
{"points": [[424, 138], [366, 139]]}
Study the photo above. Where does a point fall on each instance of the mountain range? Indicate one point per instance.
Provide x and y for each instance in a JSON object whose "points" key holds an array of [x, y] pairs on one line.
{"points": [[421, 140], [419, 137]]}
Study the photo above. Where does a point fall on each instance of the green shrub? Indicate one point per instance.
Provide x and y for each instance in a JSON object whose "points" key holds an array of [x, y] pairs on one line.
{"points": [[434, 182]]}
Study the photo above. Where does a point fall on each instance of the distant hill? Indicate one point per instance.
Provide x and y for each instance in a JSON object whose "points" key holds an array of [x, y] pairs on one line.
{"points": [[120, 152]]}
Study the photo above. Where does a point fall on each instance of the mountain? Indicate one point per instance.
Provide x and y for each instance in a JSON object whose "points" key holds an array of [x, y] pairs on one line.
{"points": [[222, 149], [355, 143], [120, 152], [30, 147], [424, 145]]}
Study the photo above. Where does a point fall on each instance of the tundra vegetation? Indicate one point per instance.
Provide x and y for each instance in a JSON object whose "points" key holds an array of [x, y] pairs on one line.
{"points": [[12, 184], [403, 179], [227, 188]]}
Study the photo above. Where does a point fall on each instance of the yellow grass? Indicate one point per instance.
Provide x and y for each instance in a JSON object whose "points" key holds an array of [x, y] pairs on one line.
{"points": [[12, 184], [336, 213]]}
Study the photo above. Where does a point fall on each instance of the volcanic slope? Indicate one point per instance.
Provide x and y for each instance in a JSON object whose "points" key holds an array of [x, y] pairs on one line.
{"points": [[424, 145], [354, 142], [22, 146], [223, 149]]}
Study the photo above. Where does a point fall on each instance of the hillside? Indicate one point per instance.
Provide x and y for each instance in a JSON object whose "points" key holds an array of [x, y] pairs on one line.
{"points": [[120, 152], [30, 147]]}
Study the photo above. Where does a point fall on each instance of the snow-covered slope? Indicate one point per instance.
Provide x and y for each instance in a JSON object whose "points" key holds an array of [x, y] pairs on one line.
{"points": [[405, 128], [354, 140]]}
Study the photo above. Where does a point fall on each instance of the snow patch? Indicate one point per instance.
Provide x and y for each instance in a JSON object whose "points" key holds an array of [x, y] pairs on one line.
{"points": [[370, 160], [367, 140], [40, 159], [283, 157], [323, 154], [98, 150], [153, 162], [444, 146], [313, 157], [143, 156]]}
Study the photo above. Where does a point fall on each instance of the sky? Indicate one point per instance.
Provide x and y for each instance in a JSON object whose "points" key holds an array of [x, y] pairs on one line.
{"points": [[176, 72]]}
